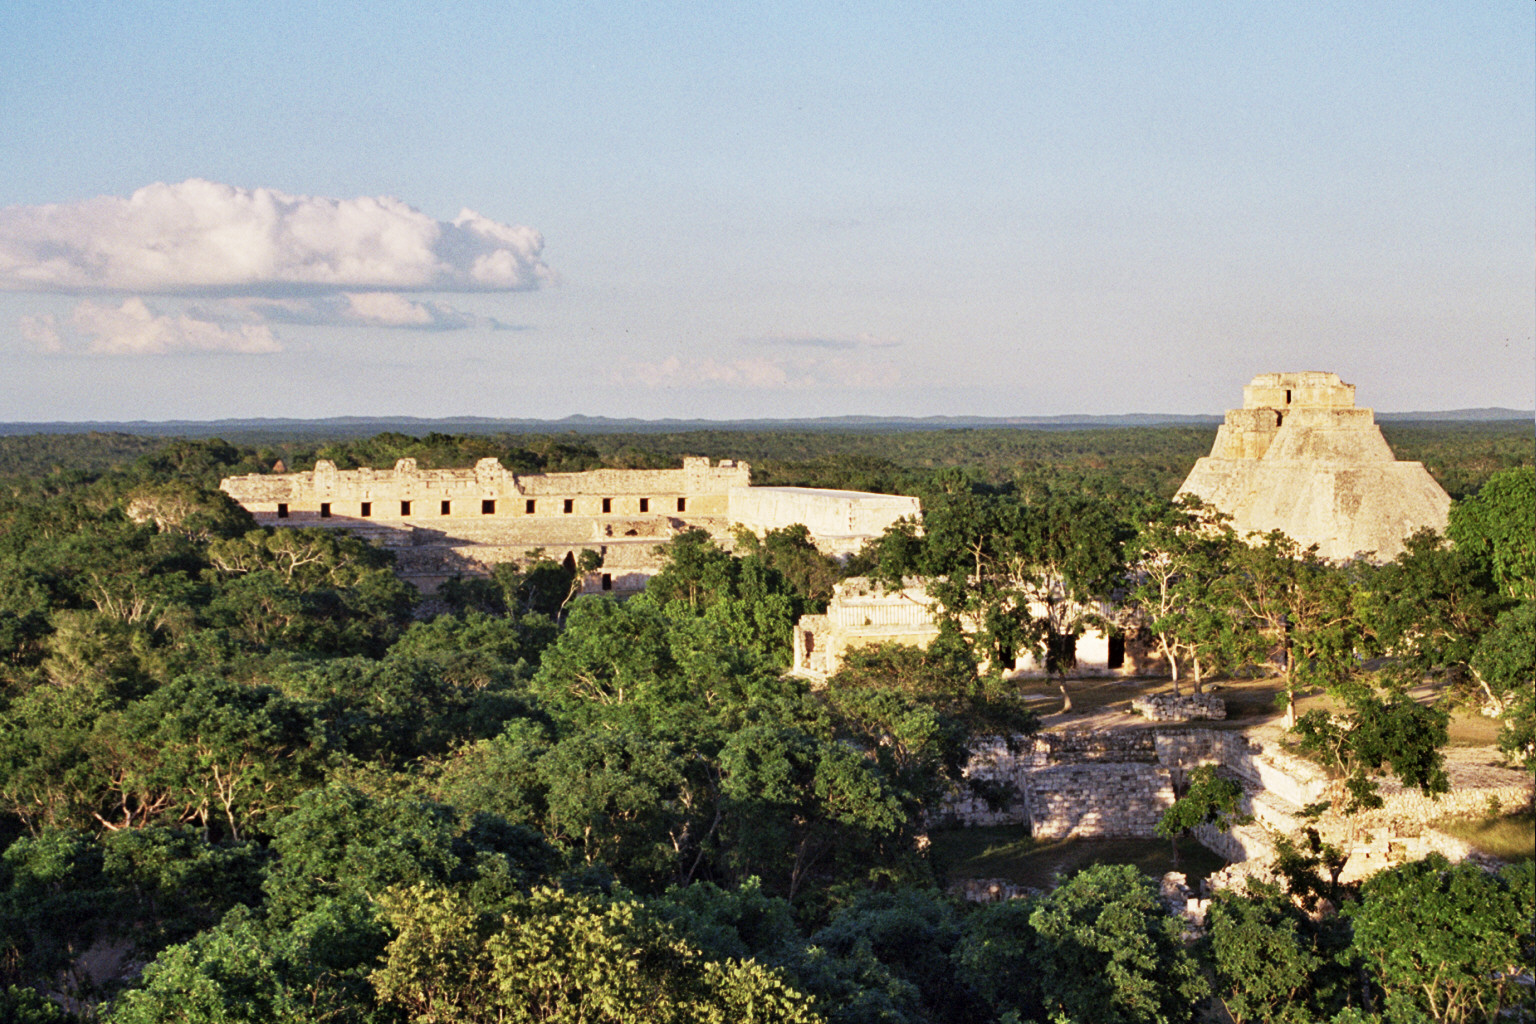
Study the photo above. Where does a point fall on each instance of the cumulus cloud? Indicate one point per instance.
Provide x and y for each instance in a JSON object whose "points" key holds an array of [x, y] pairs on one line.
{"points": [[135, 329], [353, 309], [201, 236]]}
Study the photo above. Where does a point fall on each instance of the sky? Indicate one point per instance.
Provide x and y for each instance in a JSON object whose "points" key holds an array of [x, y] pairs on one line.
{"points": [[655, 210]]}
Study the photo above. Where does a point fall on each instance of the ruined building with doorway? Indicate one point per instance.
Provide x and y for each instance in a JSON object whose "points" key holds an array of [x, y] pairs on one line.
{"points": [[1301, 458], [865, 614]]}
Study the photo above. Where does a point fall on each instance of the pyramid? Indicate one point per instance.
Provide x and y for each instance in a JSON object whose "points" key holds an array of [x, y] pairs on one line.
{"points": [[1299, 457]]}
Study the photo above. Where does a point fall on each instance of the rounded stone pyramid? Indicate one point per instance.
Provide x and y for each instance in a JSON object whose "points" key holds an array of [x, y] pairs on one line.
{"points": [[1301, 458]]}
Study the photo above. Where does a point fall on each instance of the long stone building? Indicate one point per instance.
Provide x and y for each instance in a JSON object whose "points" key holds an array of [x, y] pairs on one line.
{"points": [[1301, 458], [446, 522]]}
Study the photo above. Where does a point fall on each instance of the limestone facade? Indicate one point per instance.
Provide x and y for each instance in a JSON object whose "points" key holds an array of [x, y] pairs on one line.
{"points": [[863, 613], [446, 522], [840, 521], [1301, 458]]}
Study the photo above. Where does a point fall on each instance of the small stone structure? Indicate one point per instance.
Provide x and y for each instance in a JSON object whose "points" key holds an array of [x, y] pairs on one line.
{"points": [[1299, 457], [863, 613], [446, 522], [1168, 708]]}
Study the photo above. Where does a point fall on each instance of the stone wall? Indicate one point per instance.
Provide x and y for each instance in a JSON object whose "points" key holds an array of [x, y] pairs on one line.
{"points": [[1168, 708], [1106, 799], [841, 522], [433, 496], [1069, 784]]}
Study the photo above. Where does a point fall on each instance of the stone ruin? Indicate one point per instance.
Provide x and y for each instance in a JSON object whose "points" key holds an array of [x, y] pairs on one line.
{"points": [[446, 522], [864, 613], [1301, 458], [1117, 782], [1168, 708]]}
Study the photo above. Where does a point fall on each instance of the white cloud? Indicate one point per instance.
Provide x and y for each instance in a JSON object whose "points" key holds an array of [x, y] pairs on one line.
{"points": [[201, 236], [350, 309], [387, 309], [134, 329]]}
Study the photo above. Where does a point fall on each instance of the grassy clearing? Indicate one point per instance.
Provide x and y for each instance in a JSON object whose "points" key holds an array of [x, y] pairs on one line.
{"points": [[1509, 837], [1249, 702], [1009, 852], [1469, 727]]}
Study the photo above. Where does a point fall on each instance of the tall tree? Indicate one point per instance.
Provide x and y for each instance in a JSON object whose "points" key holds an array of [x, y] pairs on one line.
{"points": [[1298, 610], [1179, 554], [1498, 524]]}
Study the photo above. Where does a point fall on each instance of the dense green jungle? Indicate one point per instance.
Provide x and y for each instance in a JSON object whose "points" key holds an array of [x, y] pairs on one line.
{"points": [[248, 775]]}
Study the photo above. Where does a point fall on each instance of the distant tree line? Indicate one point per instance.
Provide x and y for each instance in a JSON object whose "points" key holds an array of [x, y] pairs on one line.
{"points": [[1461, 455]]}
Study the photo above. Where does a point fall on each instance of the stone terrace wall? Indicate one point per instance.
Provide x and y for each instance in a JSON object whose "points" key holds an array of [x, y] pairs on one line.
{"points": [[1105, 799], [1070, 784]]}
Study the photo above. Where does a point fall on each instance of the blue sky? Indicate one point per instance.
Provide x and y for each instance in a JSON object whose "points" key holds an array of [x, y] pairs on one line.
{"points": [[212, 211]]}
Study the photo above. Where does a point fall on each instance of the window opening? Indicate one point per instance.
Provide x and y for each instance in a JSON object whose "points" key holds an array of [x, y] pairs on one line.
{"points": [[282, 510], [607, 581], [447, 507], [405, 508], [488, 506], [366, 509], [607, 505], [325, 510], [528, 506], [682, 504], [645, 504], [568, 506]]}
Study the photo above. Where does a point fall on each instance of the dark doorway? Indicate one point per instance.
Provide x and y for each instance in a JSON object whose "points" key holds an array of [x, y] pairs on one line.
{"points": [[1116, 652]]}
